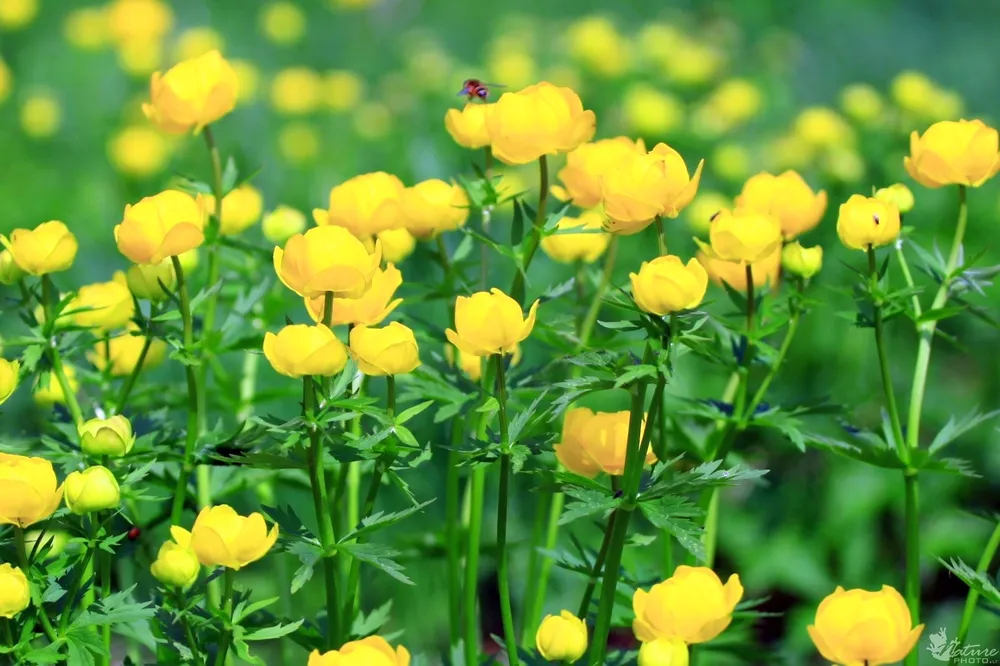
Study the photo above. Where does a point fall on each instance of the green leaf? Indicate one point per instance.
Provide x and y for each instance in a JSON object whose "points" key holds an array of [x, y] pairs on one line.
{"points": [[635, 373], [517, 225], [229, 175], [588, 503], [381, 520], [366, 625], [270, 633], [406, 437], [681, 518], [118, 608], [49, 654], [243, 650], [244, 610], [953, 429], [463, 250], [938, 314], [410, 412], [379, 556], [980, 582]]}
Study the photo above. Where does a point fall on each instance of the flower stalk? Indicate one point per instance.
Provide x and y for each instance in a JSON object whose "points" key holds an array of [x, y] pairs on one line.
{"points": [[195, 402], [506, 469]]}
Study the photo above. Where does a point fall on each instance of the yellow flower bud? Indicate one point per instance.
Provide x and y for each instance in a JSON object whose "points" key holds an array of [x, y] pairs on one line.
{"points": [[104, 305], [10, 272], [327, 258], [804, 261], [595, 441], [692, 605], [765, 271], [176, 564], [786, 197], [8, 378], [434, 206], [364, 205], [31, 493], [561, 637], [148, 280], [241, 209], [490, 323], [296, 91], [93, 489], [161, 226], [666, 285], [48, 248], [15, 593], [189, 260], [282, 223], [858, 626], [107, 437], [865, 221], [586, 246], [370, 309], [586, 164], [282, 22], [223, 538], [192, 94], [139, 151], [48, 391], [862, 103], [963, 152], [468, 126], [370, 651], [898, 194], [125, 352], [390, 350], [541, 119], [397, 244], [664, 652], [299, 350], [742, 236]]}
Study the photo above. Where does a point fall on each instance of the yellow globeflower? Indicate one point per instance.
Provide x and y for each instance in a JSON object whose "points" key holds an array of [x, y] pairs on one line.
{"points": [[364, 205], [372, 120], [898, 194], [730, 161], [743, 236], [541, 119], [735, 101], [241, 209], [48, 391], [196, 42], [561, 637], [4, 81], [139, 151], [15, 14], [10, 272], [87, 28], [192, 94], [862, 103], [104, 305], [786, 197], [765, 271], [15, 593], [48, 248], [282, 223], [176, 564], [692, 605], [704, 207], [397, 244], [282, 22], [30, 491], [822, 127], [587, 244], [150, 281], [326, 259], [296, 91], [964, 152], [343, 90], [867, 221], [139, 20], [513, 65], [912, 92], [371, 651], [595, 441], [432, 207], [651, 112], [370, 309], [40, 115], [140, 57], [664, 652], [125, 352], [666, 285], [586, 165], [490, 323], [468, 126], [595, 43], [862, 627], [9, 371], [222, 537], [161, 226], [803, 261], [93, 489], [112, 436], [298, 143], [298, 350], [390, 350]]}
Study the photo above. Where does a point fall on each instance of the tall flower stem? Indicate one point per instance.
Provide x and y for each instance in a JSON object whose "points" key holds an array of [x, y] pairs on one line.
{"points": [[535, 238], [194, 401], [587, 327], [129, 384], [477, 491], [883, 362], [661, 237], [970, 600], [178, 599], [53, 352], [229, 578], [453, 531], [78, 578], [104, 564], [22, 560], [353, 470], [503, 563], [595, 572]]}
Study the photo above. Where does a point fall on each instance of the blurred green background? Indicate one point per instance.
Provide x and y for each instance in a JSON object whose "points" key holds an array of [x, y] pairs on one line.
{"points": [[831, 88]]}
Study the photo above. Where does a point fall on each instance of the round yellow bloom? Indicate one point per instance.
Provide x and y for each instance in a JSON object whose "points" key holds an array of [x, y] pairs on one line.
{"points": [[161, 226], [730, 161], [282, 223], [299, 350], [912, 91], [176, 564], [821, 127], [704, 207], [734, 102], [390, 350], [282, 22], [586, 245], [9, 371], [125, 352], [298, 143], [586, 164], [139, 20], [858, 626], [241, 209], [326, 259], [803, 261], [963, 152], [595, 441], [48, 391], [342, 90], [786, 197], [112, 436], [93, 489], [372, 120], [104, 305], [222, 537], [15, 593], [371, 651], [514, 65], [490, 323], [734, 273], [15, 14], [594, 42], [664, 652], [370, 309], [31, 493], [650, 111], [666, 285], [468, 126], [432, 207], [192, 94], [139, 57], [10, 272], [48, 248], [138, 151], [541, 119], [561, 637], [867, 221], [364, 205], [844, 164], [862, 103], [397, 244], [149, 280], [87, 28], [743, 236], [693, 63], [41, 115], [898, 194], [197, 41], [692, 605], [296, 91]]}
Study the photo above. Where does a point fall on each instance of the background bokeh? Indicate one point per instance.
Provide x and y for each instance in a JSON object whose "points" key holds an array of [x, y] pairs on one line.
{"points": [[329, 90]]}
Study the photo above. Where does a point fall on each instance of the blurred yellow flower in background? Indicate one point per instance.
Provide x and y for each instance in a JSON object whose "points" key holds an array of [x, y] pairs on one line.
{"points": [[282, 22], [140, 58], [372, 120], [299, 143], [48, 391], [586, 164], [40, 115], [912, 92], [730, 161], [704, 207], [247, 80], [565, 76], [9, 374], [5, 81], [822, 127], [587, 245], [898, 194], [596, 43], [148, 280], [862, 103], [790, 151], [429, 67], [729, 106], [945, 105], [126, 350], [657, 41], [296, 90], [803, 261], [650, 112], [515, 69], [844, 164], [139, 151], [693, 63], [241, 209], [103, 305], [786, 197], [364, 205], [87, 28], [15, 14], [342, 90], [282, 223], [137, 21], [192, 94], [596, 441], [351, 4], [10, 272], [197, 41]]}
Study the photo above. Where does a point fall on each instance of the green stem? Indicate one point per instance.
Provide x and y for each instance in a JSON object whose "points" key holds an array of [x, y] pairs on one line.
{"points": [[147, 341], [477, 490], [104, 560], [74, 587], [194, 401], [503, 563], [8, 637], [540, 585], [178, 599], [443, 254], [453, 532], [486, 213], [55, 358], [970, 600], [226, 605], [908, 277], [351, 475], [595, 572], [661, 238], [883, 361], [758, 397], [534, 563], [535, 237], [587, 327], [911, 519], [22, 559]]}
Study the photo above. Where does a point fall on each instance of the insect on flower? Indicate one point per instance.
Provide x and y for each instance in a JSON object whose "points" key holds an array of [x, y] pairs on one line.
{"points": [[474, 88]]}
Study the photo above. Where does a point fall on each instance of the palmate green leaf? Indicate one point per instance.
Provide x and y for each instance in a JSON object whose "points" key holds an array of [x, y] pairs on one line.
{"points": [[681, 517], [980, 582], [706, 475], [49, 654], [635, 373], [243, 650], [940, 313], [954, 429], [379, 556], [411, 412], [366, 625], [588, 503], [381, 520], [272, 632], [115, 609], [82, 646], [243, 609]]}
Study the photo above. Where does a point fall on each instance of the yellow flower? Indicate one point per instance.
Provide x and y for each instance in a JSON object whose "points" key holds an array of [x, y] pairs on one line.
{"points": [[15, 593], [176, 564], [730, 161], [692, 605], [397, 244], [296, 91], [372, 120], [490, 323], [192, 94], [163, 225], [561, 637], [733, 103], [139, 20], [432, 207], [786, 197], [912, 91], [298, 143], [222, 537], [472, 366], [299, 350], [48, 391], [93, 489], [371, 651], [804, 261], [282, 22], [370, 309], [857, 626], [53, 542], [197, 41], [138, 151], [343, 90], [31, 493], [10, 272], [704, 207], [468, 126], [125, 351], [865, 221], [48, 248], [821, 127], [963, 152], [596, 43], [103, 305], [585, 165], [664, 652], [140, 57], [666, 285], [148, 280], [765, 271], [15, 14], [390, 350], [586, 246], [844, 164], [41, 115], [107, 437], [87, 28], [326, 259], [364, 205], [541, 119], [8, 378], [743, 236], [282, 223], [4, 81], [513, 65], [693, 63], [593, 442], [650, 111], [862, 103], [241, 209]]}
